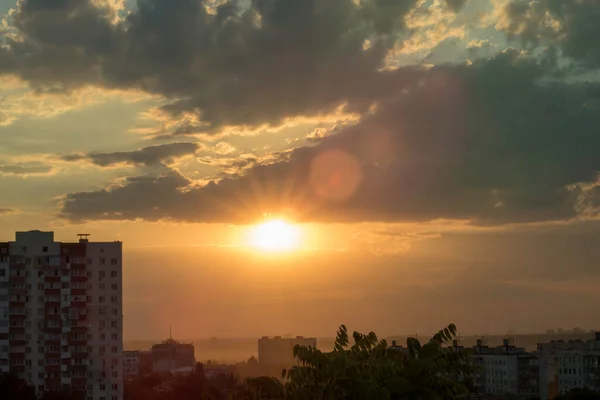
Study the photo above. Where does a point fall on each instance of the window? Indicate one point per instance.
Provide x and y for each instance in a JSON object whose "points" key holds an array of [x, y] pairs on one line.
{"points": [[103, 387], [101, 274], [114, 274], [102, 286], [114, 311], [114, 286], [113, 349], [45, 249], [114, 336], [113, 324], [113, 261], [101, 299], [2, 272], [115, 386], [102, 261]]}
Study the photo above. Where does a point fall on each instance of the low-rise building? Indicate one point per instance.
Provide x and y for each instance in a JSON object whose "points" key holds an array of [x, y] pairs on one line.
{"points": [[579, 367], [562, 365], [506, 370]]}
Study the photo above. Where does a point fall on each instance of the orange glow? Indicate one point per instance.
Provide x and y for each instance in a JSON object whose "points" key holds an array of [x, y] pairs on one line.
{"points": [[275, 235]]}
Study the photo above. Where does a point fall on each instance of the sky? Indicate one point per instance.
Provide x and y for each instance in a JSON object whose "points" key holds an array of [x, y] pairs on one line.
{"points": [[439, 158]]}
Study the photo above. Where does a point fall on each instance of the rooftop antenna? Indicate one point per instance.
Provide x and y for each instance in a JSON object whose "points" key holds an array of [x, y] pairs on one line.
{"points": [[83, 237]]}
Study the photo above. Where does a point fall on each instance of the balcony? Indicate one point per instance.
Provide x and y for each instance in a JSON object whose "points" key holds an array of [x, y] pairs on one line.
{"points": [[17, 279], [52, 292]]}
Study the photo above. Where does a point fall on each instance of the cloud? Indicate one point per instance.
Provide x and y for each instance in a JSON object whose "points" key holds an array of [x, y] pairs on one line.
{"points": [[20, 102], [26, 169], [456, 5], [239, 64], [563, 28], [4, 211], [491, 141], [148, 156]]}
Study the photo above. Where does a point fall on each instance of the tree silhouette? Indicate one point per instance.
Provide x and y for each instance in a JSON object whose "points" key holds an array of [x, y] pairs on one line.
{"points": [[370, 369], [15, 388]]}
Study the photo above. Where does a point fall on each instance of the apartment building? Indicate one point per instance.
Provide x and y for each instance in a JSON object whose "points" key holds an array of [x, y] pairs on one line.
{"points": [[566, 365], [131, 363], [172, 355], [61, 314], [279, 351], [506, 370], [579, 367]]}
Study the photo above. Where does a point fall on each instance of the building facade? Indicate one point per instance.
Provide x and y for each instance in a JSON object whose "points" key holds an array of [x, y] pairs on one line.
{"points": [[172, 355], [566, 365], [579, 367], [131, 363], [61, 314], [279, 351], [506, 370]]}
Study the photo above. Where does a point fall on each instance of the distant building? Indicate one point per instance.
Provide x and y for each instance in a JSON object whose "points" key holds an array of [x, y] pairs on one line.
{"points": [[564, 364], [396, 346], [279, 351], [506, 370], [145, 362], [579, 367], [172, 355], [131, 363]]}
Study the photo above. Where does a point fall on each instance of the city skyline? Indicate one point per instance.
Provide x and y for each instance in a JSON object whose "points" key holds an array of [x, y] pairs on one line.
{"points": [[291, 165]]}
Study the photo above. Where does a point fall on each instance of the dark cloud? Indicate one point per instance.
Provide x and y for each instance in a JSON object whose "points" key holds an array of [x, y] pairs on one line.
{"points": [[566, 27], [25, 169], [239, 66], [456, 5], [490, 141], [147, 156], [6, 211]]}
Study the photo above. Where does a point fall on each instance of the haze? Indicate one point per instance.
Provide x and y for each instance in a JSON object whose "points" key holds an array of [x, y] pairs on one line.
{"points": [[439, 159]]}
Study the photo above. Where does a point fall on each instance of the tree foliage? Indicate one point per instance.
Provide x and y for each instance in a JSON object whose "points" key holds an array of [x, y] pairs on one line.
{"points": [[580, 394], [370, 369]]}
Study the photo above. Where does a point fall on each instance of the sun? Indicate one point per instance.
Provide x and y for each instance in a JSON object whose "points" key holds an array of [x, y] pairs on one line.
{"points": [[275, 235]]}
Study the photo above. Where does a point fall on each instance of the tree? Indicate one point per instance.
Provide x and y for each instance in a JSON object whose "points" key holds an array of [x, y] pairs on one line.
{"points": [[370, 369], [15, 388], [580, 394]]}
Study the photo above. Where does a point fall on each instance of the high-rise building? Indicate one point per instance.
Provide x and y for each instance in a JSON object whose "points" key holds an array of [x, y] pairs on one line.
{"points": [[61, 323]]}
